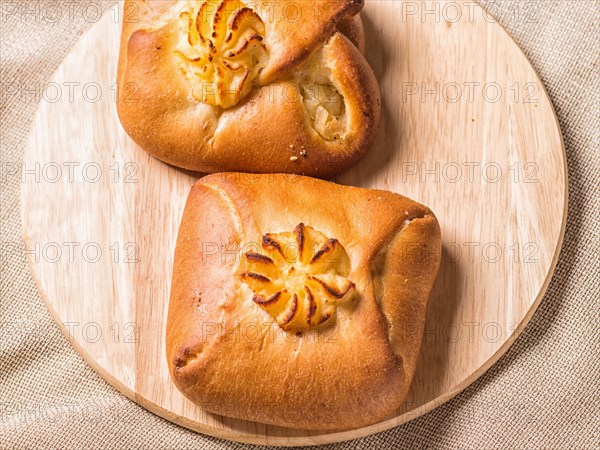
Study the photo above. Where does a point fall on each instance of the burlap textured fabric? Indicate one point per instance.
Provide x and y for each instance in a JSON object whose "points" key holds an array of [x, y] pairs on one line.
{"points": [[542, 394]]}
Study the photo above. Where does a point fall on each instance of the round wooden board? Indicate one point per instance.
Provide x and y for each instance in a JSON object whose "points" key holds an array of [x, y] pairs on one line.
{"points": [[467, 129]]}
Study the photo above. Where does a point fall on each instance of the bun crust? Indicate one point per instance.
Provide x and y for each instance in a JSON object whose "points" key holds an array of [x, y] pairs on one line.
{"points": [[231, 355], [277, 94]]}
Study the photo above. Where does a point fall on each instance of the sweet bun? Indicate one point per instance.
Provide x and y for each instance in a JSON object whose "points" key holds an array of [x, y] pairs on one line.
{"points": [[299, 302], [254, 86]]}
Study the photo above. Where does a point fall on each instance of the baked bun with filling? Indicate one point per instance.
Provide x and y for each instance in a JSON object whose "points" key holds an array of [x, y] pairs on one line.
{"points": [[255, 86], [299, 302]]}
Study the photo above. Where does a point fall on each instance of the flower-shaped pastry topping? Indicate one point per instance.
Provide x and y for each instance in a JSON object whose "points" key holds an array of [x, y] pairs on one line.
{"points": [[221, 50], [299, 277]]}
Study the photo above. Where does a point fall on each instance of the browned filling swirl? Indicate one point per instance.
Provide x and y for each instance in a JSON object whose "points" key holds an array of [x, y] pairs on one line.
{"points": [[221, 50], [298, 277]]}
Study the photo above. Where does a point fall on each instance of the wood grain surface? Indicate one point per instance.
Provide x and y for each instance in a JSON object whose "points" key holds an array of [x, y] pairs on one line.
{"points": [[467, 129]]}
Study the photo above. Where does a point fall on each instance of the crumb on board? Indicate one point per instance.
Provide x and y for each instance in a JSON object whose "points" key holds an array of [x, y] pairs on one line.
{"points": [[294, 158]]}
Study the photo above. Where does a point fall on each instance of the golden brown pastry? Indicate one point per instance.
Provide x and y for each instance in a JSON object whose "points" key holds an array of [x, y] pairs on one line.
{"points": [[298, 302], [261, 86]]}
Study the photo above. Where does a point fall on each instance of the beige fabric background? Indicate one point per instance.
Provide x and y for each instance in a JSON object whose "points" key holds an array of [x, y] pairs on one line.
{"points": [[544, 393]]}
